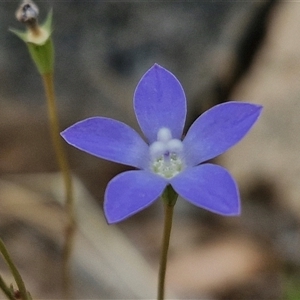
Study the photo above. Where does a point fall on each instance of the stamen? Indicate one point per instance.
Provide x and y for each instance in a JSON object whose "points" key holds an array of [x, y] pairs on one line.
{"points": [[175, 145], [166, 154], [164, 134], [157, 149]]}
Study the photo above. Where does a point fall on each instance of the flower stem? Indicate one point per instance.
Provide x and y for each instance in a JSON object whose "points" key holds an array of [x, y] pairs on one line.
{"points": [[6, 290], [169, 197], [64, 167], [15, 273]]}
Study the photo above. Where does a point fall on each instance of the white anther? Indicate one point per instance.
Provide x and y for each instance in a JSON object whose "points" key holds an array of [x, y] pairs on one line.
{"points": [[164, 134], [157, 149], [175, 146]]}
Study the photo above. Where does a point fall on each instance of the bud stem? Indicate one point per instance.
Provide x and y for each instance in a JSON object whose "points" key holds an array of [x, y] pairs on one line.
{"points": [[64, 167]]}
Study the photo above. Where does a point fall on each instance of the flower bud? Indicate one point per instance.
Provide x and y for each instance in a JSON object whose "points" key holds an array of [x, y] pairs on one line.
{"points": [[27, 12], [37, 38]]}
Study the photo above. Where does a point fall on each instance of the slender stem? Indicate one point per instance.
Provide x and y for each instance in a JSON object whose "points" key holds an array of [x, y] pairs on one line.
{"points": [[64, 167], [14, 271], [169, 208], [6, 290]]}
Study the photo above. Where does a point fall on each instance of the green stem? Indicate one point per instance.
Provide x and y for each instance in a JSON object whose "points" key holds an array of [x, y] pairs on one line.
{"points": [[64, 167], [169, 197], [14, 271], [6, 290]]}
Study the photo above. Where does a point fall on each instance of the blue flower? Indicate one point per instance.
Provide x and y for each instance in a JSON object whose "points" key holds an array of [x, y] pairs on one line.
{"points": [[165, 159]]}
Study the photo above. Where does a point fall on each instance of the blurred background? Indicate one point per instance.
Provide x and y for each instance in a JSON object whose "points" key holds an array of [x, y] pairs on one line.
{"points": [[220, 51]]}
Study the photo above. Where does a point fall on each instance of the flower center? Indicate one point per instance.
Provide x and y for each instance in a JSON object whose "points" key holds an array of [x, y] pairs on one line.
{"points": [[166, 154]]}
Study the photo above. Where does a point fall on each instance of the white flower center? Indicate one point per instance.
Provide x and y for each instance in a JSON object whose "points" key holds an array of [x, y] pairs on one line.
{"points": [[166, 154]]}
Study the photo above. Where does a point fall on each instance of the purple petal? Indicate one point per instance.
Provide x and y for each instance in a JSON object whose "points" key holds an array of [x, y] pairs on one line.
{"points": [[159, 101], [108, 139], [130, 192], [210, 187], [218, 129]]}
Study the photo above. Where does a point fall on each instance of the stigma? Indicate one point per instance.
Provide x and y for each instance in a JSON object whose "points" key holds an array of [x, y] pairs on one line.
{"points": [[166, 154]]}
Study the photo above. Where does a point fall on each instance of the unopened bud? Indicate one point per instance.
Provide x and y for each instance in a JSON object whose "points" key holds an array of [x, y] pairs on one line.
{"points": [[27, 12], [37, 38]]}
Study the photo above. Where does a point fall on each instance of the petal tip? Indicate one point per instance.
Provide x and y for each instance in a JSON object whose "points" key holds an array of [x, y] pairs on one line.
{"points": [[233, 212], [112, 220], [63, 133], [158, 68]]}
